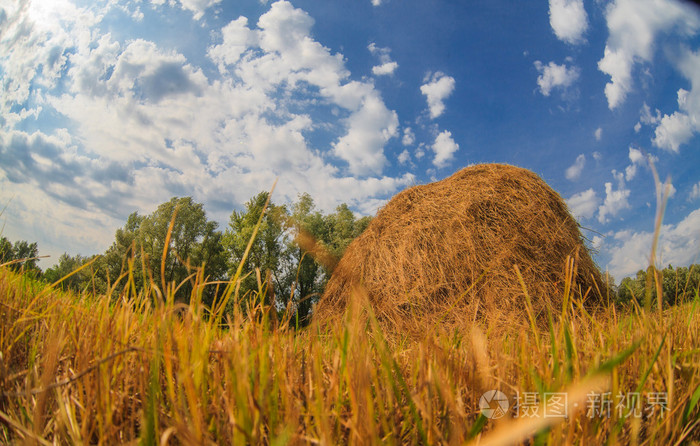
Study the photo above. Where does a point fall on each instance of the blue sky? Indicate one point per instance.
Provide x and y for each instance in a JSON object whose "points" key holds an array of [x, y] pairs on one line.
{"points": [[110, 107]]}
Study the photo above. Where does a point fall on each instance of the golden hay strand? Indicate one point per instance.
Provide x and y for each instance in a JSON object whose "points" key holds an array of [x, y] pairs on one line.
{"points": [[445, 251]]}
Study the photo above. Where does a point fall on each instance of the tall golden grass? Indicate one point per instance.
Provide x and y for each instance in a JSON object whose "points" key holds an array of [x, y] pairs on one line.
{"points": [[79, 369]]}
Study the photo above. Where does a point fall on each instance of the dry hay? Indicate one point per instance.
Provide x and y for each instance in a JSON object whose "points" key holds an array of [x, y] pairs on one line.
{"points": [[421, 258]]}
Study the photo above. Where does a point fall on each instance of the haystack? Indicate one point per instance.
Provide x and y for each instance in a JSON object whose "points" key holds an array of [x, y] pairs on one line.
{"points": [[445, 252]]}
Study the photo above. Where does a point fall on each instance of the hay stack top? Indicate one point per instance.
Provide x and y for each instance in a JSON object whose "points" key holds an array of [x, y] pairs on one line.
{"points": [[445, 251]]}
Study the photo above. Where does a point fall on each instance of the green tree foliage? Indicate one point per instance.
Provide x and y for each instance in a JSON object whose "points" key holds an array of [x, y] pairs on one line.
{"points": [[276, 259], [343, 228], [678, 285], [19, 256], [305, 275], [333, 232], [194, 243], [65, 271], [125, 249], [267, 251]]}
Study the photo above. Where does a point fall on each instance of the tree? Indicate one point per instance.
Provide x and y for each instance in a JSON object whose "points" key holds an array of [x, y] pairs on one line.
{"points": [[124, 248], [83, 280], [332, 233], [305, 276], [343, 228], [20, 256], [7, 254], [679, 284], [194, 243], [630, 290], [267, 250]]}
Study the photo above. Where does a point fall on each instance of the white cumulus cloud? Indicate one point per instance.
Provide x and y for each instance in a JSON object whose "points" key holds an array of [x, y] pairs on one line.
{"points": [[694, 192], [369, 129], [573, 172], [646, 117], [404, 157], [553, 76], [678, 128], [437, 88], [444, 148], [615, 200], [598, 134], [386, 66], [236, 39], [673, 131], [583, 204], [384, 69], [633, 26], [408, 137], [198, 7], [568, 19], [637, 159]]}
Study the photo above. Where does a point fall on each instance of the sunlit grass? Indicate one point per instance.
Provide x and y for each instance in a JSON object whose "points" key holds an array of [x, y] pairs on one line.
{"points": [[84, 369]]}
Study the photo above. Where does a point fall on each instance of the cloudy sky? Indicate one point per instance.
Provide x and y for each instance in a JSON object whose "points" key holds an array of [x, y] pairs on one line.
{"points": [[114, 106]]}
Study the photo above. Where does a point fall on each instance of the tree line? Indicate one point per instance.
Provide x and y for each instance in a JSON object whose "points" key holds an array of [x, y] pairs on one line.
{"points": [[287, 271], [677, 285]]}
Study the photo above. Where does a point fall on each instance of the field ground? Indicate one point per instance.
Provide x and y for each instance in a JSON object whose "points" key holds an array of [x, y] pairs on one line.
{"points": [[143, 369]]}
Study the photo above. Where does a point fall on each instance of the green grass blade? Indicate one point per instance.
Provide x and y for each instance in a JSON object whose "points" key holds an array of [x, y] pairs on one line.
{"points": [[528, 307], [149, 435], [616, 360], [222, 305], [478, 426], [691, 404], [553, 339], [651, 365], [570, 353]]}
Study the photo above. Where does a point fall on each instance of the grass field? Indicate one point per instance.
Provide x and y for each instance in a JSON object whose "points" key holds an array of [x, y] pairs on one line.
{"points": [[142, 369]]}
